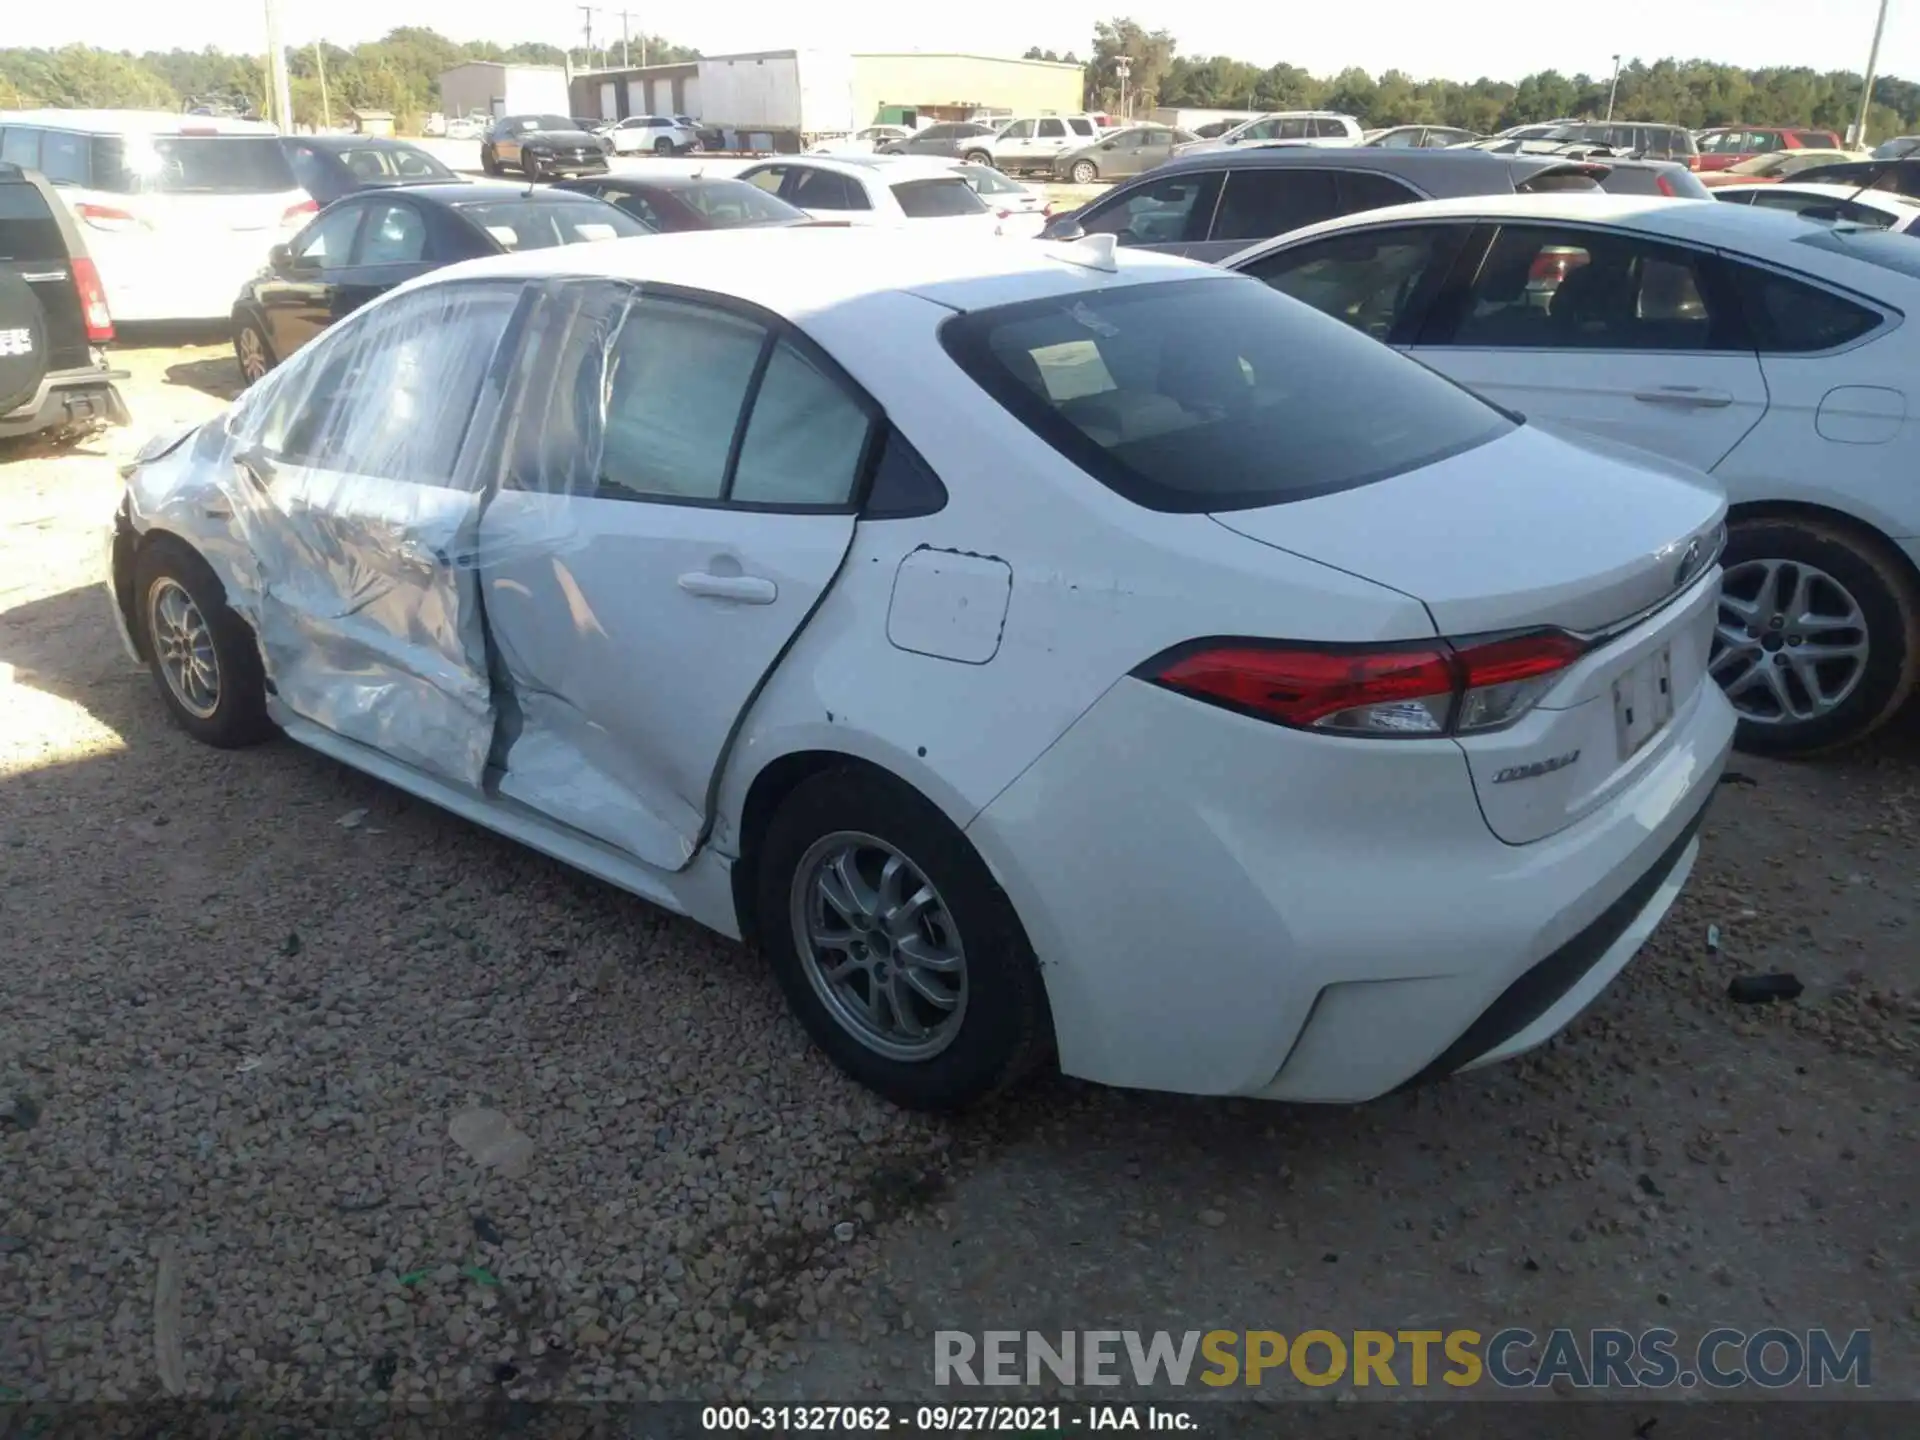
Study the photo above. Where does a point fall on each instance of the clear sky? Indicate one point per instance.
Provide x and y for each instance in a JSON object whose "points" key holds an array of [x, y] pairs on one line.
{"points": [[1501, 38]]}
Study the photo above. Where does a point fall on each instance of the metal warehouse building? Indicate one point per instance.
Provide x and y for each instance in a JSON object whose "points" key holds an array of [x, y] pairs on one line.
{"points": [[493, 88], [896, 87]]}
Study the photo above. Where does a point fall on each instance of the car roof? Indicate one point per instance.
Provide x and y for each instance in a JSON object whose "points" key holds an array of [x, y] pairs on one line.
{"points": [[479, 192], [796, 272], [663, 181], [1745, 229], [1881, 199], [1414, 164], [864, 167], [136, 122], [355, 142]]}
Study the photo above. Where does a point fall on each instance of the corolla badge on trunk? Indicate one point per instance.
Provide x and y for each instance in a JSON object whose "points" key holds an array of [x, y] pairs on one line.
{"points": [[1536, 769]]}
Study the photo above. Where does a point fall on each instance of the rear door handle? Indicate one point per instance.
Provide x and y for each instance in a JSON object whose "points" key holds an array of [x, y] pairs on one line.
{"points": [[1687, 397], [747, 589]]}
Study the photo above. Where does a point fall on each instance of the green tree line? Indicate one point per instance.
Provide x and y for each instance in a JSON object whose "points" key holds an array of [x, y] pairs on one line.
{"points": [[399, 73], [1693, 93]]}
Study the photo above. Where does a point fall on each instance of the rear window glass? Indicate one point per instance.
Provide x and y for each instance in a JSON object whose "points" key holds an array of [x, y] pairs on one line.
{"points": [[377, 163], [1216, 394], [933, 199], [28, 230], [192, 165], [734, 202], [1876, 247], [533, 225]]}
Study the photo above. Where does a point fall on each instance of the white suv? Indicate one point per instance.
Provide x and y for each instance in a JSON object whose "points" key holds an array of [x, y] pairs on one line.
{"points": [[1289, 127], [1030, 142], [651, 134]]}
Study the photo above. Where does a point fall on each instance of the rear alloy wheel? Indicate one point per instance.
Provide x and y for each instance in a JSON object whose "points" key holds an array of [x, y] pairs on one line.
{"points": [[893, 944], [250, 348], [977, 157], [663, 146], [1085, 172], [205, 662], [1818, 637]]}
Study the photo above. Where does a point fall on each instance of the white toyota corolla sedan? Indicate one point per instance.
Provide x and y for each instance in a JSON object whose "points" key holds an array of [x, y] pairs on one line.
{"points": [[1765, 348], [1033, 649]]}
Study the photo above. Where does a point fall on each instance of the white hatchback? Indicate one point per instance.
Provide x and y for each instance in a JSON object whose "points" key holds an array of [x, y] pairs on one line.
{"points": [[885, 190], [178, 210], [1770, 350], [1034, 649]]}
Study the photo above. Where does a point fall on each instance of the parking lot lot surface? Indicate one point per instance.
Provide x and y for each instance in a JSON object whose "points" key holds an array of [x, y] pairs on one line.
{"points": [[309, 1090]]}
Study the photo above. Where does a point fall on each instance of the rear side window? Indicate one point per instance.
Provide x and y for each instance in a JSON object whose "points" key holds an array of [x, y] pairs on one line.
{"points": [[938, 199], [1263, 203], [1788, 317], [1327, 128], [805, 438], [20, 146], [1548, 288], [192, 165], [1213, 394], [1816, 140], [827, 190], [63, 157], [28, 230], [1363, 190], [1368, 278]]}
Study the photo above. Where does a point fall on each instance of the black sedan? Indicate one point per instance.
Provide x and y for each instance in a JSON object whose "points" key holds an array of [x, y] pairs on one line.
{"points": [[689, 202], [368, 243], [541, 147], [330, 166]]}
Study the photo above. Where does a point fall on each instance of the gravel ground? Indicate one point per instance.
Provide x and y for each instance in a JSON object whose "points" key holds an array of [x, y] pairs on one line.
{"points": [[307, 1090]]}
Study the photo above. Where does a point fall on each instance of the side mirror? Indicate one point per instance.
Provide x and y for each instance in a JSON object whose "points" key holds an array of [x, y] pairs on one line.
{"points": [[1065, 228], [280, 258]]}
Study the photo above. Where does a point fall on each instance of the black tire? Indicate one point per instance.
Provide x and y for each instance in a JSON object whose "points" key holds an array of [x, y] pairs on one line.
{"points": [[1084, 172], [977, 157], [488, 164], [1005, 1027], [248, 329], [663, 146], [1880, 584], [23, 363], [239, 718], [530, 166]]}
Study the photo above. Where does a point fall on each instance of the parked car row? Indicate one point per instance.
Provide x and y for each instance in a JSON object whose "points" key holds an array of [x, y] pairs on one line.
{"points": [[1440, 502]]}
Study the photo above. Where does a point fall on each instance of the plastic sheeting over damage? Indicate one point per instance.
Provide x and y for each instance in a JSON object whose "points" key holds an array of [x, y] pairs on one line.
{"points": [[432, 545]]}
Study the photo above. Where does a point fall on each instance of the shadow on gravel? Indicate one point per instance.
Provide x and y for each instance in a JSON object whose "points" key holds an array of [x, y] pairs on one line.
{"points": [[218, 377]]}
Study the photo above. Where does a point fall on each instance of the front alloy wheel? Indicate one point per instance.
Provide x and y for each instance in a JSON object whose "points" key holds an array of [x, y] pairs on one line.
{"points": [[879, 947], [183, 648], [250, 348]]}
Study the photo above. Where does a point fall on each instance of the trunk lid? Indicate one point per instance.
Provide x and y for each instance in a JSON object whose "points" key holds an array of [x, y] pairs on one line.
{"points": [[1535, 530], [32, 247]]}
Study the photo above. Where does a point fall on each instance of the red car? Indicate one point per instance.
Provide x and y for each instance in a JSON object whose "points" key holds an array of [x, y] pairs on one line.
{"points": [[1729, 146]]}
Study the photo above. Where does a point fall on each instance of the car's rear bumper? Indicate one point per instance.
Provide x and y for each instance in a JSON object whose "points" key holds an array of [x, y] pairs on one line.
{"points": [[1221, 906], [67, 398]]}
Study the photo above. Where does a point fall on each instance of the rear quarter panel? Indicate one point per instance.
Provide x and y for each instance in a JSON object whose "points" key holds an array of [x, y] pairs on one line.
{"points": [[1096, 585]]}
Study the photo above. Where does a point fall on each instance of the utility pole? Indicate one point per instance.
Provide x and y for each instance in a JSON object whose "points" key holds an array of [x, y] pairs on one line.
{"points": [[586, 12], [277, 70], [1123, 67], [625, 59], [1866, 90], [1614, 88], [320, 64]]}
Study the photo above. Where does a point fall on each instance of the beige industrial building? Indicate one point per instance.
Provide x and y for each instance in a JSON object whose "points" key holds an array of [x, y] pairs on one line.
{"points": [[955, 87], [813, 91]]}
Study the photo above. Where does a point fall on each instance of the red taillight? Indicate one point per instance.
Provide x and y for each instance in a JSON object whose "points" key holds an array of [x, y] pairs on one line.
{"points": [[1664, 185], [106, 217], [1003, 214], [298, 213], [93, 300], [1401, 690]]}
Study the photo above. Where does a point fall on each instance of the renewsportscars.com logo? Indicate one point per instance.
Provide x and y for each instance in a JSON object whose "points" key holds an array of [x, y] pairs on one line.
{"points": [[1508, 1359]]}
